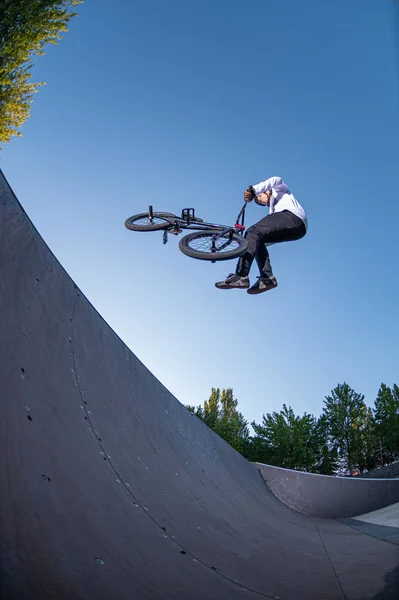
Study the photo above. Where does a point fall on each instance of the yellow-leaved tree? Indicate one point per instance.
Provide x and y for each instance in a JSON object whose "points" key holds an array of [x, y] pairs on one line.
{"points": [[26, 26]]}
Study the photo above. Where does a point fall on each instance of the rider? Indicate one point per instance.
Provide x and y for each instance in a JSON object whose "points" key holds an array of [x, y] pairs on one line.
{"points": [[285, 222]]}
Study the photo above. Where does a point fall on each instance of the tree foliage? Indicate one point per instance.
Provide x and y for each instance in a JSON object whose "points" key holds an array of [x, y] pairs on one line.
{"points": [[26, 26], [368, 443], [220, 414], [347, 437], [289, 441], [386, 414], [345, 415]]}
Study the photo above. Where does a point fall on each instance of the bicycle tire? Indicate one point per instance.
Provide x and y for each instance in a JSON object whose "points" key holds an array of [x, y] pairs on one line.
{"points": [[130, 222], [203, 239]]}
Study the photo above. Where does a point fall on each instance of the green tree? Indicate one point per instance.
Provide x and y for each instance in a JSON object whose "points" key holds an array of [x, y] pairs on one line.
{"points": [[212, 409], [26, 26], [289, 441], [345, 414], [386, 412], [232, 426], [368, 448], [325, 454], [220, 414]]}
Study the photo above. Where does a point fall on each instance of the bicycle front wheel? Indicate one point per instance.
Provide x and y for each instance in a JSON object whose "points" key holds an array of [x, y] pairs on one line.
{"points": [[207, 245], [143, 222]]}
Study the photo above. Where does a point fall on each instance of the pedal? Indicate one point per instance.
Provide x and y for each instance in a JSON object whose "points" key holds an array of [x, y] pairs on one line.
{"points": [[165, 237]]}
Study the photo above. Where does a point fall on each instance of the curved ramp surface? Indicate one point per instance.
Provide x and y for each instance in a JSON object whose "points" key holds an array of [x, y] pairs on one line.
{"points": [[111, 490], [329, 497]]}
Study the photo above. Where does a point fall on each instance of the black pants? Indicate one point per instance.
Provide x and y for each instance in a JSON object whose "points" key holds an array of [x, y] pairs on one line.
{"points": [[277, 227]]}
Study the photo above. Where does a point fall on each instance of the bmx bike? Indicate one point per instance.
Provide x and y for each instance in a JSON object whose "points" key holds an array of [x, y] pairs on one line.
{"points": [[209, 241]]}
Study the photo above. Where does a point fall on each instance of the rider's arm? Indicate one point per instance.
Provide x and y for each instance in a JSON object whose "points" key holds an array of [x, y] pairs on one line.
{"points": [[268, 184]]}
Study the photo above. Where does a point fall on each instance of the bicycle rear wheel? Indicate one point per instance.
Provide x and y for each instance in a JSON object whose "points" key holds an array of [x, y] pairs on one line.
{"points": [[204, 246], [142, 222]]}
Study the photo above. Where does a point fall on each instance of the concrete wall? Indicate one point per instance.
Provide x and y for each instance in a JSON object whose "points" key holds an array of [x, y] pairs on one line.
{"points": [[329, 497]]}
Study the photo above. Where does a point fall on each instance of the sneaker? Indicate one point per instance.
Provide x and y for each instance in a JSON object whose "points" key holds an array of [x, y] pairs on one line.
{"points": [[233, 281], [263, 284]]}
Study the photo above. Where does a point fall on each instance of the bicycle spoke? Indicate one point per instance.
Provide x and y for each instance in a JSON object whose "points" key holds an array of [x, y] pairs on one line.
{"points": [[204, 243], [144, 221]]}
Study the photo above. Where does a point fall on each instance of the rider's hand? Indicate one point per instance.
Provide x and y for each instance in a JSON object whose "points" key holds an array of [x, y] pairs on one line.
{"points": [[249, 194]]}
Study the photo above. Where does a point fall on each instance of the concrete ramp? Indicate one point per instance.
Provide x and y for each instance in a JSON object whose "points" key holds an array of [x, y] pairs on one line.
{"points": [[111, 490], [388, 516], [382, 523], [329, 497]]}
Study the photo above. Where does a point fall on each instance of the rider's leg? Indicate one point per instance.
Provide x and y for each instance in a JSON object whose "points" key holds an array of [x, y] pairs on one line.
{"points": [[255, 241], [277, 227], [263, 260], [240, 279]]}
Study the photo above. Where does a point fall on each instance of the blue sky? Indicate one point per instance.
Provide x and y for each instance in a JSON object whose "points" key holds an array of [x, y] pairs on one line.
{"points": [[182, 103]]}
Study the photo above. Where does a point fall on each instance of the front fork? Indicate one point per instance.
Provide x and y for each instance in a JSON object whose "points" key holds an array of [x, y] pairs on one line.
{"points": [[150, 218], [237, 228]]}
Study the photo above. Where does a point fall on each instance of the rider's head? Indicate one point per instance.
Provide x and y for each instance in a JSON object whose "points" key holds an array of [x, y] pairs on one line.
{"points": [[263, 199]]}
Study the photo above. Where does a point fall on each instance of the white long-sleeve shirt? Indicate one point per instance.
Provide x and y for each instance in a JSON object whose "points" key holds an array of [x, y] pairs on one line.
{"points": [[281, 199]]}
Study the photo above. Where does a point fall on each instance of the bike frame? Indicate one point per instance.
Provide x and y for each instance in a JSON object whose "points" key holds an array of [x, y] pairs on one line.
{"points": [[188, 221]]}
